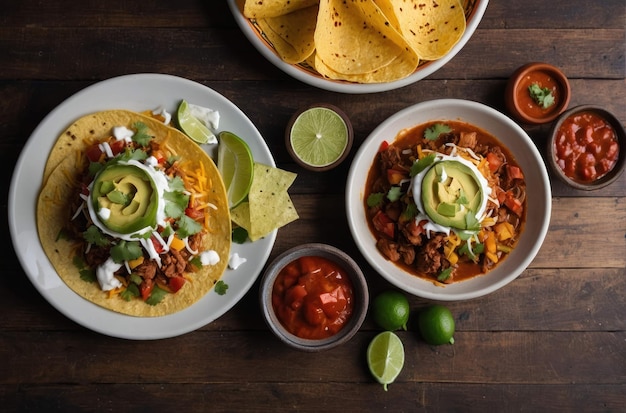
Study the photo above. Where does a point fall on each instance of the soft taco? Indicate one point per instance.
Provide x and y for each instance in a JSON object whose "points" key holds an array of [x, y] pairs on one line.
{"points": [[133, 215]]}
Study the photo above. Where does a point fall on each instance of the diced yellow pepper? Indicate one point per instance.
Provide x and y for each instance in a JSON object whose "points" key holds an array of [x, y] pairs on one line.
{"points": [[135, 263], [177, 244]]}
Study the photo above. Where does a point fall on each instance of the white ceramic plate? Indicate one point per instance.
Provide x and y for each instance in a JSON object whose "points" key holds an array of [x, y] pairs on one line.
{"points": [[135, 92], [477, 10], [539, 201]]}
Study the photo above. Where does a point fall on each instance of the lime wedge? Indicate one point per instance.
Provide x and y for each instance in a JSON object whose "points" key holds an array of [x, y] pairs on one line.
{"points": [[319, 136], [236, 165], [191, 125], [385, 357]]}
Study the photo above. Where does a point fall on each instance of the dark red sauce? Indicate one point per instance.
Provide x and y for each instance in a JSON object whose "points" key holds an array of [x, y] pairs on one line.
{"points": [[313, 297], [586, 147]]}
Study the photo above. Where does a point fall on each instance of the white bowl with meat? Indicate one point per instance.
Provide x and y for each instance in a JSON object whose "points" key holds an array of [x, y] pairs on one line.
{"points": [[438, 203]]}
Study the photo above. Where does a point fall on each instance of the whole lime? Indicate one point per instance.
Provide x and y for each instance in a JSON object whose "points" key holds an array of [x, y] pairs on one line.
{"points": [[390, 310], [436, 325]]}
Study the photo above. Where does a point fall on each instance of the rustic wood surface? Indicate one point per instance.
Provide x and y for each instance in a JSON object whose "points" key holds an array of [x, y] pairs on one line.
{"points": [[552, 340]]}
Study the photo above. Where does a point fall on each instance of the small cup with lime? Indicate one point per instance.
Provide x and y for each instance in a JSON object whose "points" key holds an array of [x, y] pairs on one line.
{"points": [[319, 137]]}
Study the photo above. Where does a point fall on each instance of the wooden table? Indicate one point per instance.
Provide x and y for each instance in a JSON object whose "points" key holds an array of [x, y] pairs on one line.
{"points": [[552, 340]]}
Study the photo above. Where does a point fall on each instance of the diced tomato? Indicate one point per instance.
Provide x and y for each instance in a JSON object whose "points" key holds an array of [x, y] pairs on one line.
{"points": [[145, 288], [334, 303], [93, 153], [513, 204], [194, 213], [295, 296], [313, 314], [514, 172], [383, 145], [117, 146], [384, 224], [494, 161], [157, 245], [176, 283], [395, 177]]}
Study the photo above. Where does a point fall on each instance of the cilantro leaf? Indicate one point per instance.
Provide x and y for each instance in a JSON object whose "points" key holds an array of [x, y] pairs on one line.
{"points": [[239, 235], [87, 274], [422, 164], [93, 236], [176, 203], [375, 199], [436, 130], [141, 134], [221, 287], [410, 212], [156, 296], [187, 227], [394, 193], [130, 292], [542, 96], [126, 251]]}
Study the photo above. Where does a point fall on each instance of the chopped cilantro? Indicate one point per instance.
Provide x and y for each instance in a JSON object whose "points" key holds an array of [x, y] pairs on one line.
{"points": [[471, 223], [156, 296], [240, 235], [436, 130], [221, 287], [130, 292], [542, 96], [187, 227], [87, 274], [175, 203], [422, 164], [93, 236], [177, 184], [126, 251], [394, 193], [445, 274], [375, 199], [141, 135], [410, 212]]}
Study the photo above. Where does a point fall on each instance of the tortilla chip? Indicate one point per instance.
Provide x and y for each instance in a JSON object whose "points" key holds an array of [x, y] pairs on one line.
{"points": [[60, 186], [292, 34], [430, 27], [354, 38], [269, 206], [258, 9]]}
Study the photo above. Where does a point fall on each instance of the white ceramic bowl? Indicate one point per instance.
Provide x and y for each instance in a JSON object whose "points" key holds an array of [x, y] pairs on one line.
{"points": [[476, 11], [539, 201]]}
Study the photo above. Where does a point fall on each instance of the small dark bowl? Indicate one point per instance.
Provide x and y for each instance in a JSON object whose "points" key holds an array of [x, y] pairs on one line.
{"points": [[519, 80], [346, 151], [617, 169], [360, 296]]}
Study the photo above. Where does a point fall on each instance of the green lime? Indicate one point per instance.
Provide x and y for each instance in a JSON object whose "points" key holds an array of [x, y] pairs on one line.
{"points": [[236, 165], [385, 357], [390, 310], [319, 137], [436, 325], [191, 125]]}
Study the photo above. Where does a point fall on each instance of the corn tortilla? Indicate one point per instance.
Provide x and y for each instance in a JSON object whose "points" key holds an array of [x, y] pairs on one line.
{"points": [[64, 166]]}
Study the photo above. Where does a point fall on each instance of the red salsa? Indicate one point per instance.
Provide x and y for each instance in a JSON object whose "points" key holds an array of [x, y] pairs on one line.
{"points": [[586, 147], [312, 297], [526, 101]]}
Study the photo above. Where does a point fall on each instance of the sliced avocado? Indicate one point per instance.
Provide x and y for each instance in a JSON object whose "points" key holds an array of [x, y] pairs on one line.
{"points": [[451, 190], [130, 194]]}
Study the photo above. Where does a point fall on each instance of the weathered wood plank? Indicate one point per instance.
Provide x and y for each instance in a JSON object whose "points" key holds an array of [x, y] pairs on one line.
{"points": [[531, 358], [312, 397]]}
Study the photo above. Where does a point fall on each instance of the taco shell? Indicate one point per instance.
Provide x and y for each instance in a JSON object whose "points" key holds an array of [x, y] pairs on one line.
{"points": [[60, 184]]}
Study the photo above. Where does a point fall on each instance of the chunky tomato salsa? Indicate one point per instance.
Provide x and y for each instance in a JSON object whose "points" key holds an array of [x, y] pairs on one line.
{"points": [[446, 201], [313, 297], [586, 147]]}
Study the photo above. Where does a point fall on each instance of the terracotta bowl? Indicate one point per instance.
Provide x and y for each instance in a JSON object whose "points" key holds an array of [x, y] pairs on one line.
{"points": [[360, 297], [602, 181], [517, 98]]}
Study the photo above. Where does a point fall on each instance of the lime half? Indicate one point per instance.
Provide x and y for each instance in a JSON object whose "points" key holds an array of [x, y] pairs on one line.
{"points": [[385, 357], [319, 137], [191, 125], [236, 165]]}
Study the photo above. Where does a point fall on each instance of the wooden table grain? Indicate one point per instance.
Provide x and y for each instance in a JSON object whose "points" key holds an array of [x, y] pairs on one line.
{"points": [[552, 340]]}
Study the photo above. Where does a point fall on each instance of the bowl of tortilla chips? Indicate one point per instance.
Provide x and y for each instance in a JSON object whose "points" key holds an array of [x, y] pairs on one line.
{"points": [[358, 46]]}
